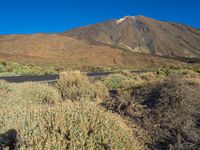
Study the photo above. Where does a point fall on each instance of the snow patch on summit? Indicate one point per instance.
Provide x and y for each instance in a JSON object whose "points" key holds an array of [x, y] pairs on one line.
{"points": [[120, 20], [124, 18]]}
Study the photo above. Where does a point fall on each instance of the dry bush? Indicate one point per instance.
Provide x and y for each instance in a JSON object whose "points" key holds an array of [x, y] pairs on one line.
{"points": [[192, 76], [125, 73], [148, 76], [76, 86], [69, 126], [167, 113]]}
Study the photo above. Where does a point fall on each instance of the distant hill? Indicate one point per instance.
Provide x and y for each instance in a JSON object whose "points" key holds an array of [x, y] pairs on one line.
{"points": [[143, 35]]}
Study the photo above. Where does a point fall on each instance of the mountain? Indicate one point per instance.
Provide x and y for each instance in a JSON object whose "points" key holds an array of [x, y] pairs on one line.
{"points": [[130, 41], [142, 35]]}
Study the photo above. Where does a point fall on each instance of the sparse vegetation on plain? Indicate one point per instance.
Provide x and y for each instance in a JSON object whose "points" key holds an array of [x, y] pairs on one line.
{"points": [[11, 69]]}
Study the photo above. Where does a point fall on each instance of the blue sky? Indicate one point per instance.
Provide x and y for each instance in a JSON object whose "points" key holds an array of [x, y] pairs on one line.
{"points": [[34, 16]]}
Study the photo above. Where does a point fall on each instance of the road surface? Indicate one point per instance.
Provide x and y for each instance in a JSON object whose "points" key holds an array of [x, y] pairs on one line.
{"points": [[51, 78]]}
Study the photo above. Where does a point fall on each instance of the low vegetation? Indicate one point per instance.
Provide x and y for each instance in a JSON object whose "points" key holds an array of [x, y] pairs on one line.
{"points": [[11, 69], [177, 70], [147, 111]]}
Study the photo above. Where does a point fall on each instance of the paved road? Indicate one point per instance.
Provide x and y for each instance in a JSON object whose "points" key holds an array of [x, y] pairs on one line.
{"points": [[51, 78]]}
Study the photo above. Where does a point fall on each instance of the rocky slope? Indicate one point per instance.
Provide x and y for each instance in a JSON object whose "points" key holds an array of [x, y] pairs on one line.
{"points": [[143, 35]]}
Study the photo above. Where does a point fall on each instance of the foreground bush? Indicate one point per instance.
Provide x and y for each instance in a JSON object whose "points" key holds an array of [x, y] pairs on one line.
{"points": [[69, 126], [27, 93], [76, 86], [38, 93]]}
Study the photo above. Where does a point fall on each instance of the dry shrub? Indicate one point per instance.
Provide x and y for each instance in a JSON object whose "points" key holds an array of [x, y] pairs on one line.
{"points": [[167, 113], [125, 73], [148, 76], [174, 108], [69, 126], [76, 86], [192, 76]]}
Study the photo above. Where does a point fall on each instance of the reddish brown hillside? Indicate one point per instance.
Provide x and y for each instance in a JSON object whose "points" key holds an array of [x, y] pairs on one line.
{"points": [[57, 49]]}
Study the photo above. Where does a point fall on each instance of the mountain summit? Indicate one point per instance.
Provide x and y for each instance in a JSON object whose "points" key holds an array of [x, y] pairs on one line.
{"points": [[143, 35], [130, 41]]}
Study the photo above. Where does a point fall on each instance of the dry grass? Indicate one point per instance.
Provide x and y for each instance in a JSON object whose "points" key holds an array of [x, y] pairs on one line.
{"points": [[76, 86]]}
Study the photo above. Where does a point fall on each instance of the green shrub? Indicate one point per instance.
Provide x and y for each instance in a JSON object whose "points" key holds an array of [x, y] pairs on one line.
{"points": [[173, 70], [118, 81], [115, 81], [76, 86]]}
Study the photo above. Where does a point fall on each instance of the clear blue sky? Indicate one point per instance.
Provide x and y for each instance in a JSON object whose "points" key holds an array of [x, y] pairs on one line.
{"points": [[33, 16]]}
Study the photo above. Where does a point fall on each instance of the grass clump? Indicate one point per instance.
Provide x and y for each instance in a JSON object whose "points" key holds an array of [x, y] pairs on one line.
{"points": [[76, 86]]}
